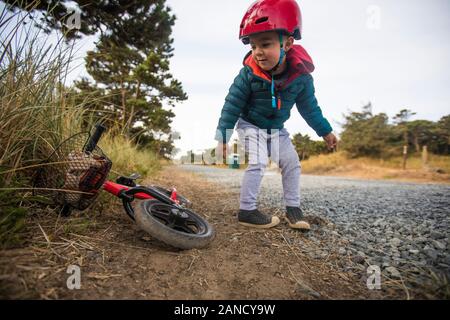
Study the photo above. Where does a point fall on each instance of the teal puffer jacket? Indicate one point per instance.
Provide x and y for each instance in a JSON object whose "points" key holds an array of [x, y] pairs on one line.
{"points": [[250, 98]]}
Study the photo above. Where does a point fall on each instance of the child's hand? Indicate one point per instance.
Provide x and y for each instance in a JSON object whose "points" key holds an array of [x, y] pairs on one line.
{"points": [[331, 141]]}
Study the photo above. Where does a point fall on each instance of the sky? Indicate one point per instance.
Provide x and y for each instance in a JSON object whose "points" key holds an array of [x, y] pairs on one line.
{"points": [[394, 54]]}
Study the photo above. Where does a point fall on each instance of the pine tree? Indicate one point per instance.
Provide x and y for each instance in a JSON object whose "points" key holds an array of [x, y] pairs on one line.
{"points": [[130, 64], [442, 132], [366, 134], [95, 16], [306, 147]]}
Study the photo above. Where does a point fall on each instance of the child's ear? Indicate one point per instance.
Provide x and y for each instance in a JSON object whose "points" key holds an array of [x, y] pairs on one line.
{"points": [[289, 43]]}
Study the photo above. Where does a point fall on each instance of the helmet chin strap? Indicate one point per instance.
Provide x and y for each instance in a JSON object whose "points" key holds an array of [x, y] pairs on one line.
{"points": [[276, 102], [282, 54]]}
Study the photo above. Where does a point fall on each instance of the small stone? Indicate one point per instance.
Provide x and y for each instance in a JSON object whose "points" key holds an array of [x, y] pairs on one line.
{"points": [[393, 272], [395, 242], [438, 245], [358, 259], [359, 244], [436, 235], [421, 240], [443, 265], [378, 222], [446, 259], [413, 251], [421, 263], [432, 254], [303, 289], [342, 251]]}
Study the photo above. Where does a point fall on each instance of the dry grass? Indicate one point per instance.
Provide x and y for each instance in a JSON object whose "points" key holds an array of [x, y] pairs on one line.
{"points": [[128, 158], [437, 169], [38, 112]]}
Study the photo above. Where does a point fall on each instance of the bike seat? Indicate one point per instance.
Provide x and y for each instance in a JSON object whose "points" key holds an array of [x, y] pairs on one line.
{"points": [[128, 181]]}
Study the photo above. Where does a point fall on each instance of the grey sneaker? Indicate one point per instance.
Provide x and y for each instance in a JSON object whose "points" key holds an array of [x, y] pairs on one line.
{"points": [[294, 217], [256, 219]]}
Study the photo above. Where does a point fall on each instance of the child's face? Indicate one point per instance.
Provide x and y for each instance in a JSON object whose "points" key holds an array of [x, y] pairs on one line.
{"points": [[266, 49]]}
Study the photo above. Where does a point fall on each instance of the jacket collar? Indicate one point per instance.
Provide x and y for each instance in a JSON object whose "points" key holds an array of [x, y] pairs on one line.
{"points": [[299, 61]]}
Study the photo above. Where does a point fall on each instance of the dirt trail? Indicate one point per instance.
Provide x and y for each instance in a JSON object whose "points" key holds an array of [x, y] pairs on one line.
{"points": [[118, 261]]}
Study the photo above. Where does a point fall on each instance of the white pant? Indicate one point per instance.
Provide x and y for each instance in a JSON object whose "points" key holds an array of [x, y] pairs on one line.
{"points": [[261, 145]]}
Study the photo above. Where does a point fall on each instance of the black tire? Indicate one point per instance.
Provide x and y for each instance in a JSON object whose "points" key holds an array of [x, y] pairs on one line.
{"points": [[147, 216]]}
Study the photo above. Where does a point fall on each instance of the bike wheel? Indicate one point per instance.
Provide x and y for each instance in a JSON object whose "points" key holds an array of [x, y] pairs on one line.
{"points": [[180, 228]]}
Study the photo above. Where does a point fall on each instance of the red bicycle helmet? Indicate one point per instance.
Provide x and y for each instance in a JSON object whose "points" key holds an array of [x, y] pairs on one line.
{"points": [[271, 15]]}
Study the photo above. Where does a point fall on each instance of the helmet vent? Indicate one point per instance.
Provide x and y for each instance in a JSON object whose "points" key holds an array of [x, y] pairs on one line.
{"points": [[261, 20]]}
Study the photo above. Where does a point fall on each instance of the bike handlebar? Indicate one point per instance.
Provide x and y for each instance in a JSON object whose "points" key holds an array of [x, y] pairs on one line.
{"points": [[93, 140]]}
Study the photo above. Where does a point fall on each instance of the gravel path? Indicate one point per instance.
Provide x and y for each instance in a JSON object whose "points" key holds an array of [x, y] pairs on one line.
{"points": [[401, 227]]}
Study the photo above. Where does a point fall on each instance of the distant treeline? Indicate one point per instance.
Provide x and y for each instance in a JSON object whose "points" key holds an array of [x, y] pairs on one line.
{"points": [[366, 134], [373, 135]]}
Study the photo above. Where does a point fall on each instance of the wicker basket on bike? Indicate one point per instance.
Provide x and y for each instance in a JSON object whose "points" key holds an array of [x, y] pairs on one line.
{"points": [[74, 172]]}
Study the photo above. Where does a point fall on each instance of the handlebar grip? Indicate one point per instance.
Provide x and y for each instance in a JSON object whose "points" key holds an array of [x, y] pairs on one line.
{"points": [[93, 140]]}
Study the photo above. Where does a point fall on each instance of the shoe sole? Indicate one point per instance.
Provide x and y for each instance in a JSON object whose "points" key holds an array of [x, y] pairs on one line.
{"points": [[300, 225], [275, 221]]}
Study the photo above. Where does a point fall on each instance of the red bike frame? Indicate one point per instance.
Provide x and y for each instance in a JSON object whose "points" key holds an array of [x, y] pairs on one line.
{"points": [[116, 189]]}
